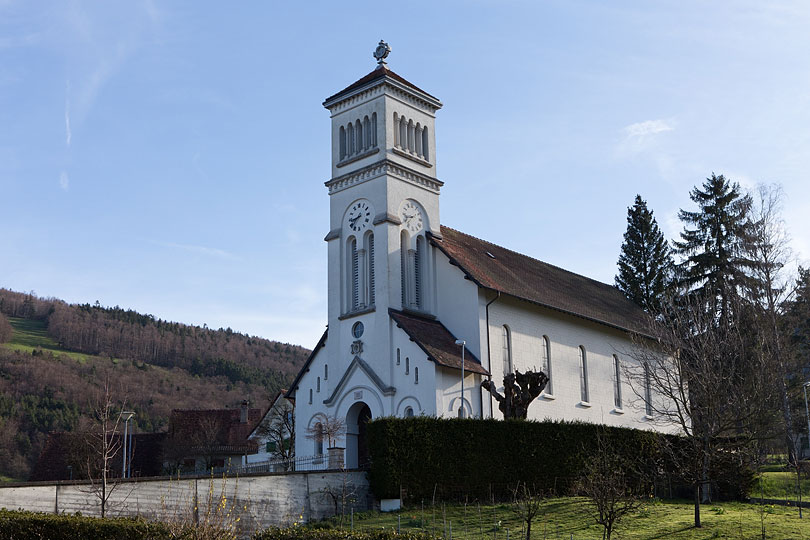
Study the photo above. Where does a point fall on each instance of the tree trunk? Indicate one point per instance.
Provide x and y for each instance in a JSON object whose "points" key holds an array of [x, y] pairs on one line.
{"points": [[697, 504]]}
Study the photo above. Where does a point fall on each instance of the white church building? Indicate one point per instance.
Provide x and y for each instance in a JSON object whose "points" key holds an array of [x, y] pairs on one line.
{"points": [[404, 290]]}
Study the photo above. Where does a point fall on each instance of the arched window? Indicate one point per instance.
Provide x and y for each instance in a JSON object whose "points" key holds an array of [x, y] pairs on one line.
{"points": [[407, 365], [416, 375], [507, 350], [310, 396], [418, 265], [408, 412], [648, 408], [425, 143], [318, 387], [397, 356], [325, 371], [403, 133], [342, 142], [370, 269], [366, 133], [350, 139], [403, 259], [583, 375], [397, 138], [546, 352], [374, 130], [418, 140], [410, 135], [318, 439], [354, 273], [358, 133], [617, 382]]}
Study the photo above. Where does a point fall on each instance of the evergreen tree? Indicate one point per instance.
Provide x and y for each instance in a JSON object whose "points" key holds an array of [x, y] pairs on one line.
{"points": [[645, 262], [712, 245]]}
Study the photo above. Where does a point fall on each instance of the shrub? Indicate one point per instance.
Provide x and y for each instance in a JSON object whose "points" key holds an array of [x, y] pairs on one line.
{"points": [[32, 526]]}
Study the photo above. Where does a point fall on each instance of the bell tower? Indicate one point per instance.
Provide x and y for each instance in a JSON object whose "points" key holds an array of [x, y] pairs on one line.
{"points": [[384, 200]]}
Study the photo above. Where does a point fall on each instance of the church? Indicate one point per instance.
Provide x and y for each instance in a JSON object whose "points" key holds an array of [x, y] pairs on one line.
{"points": [[420, 314]]}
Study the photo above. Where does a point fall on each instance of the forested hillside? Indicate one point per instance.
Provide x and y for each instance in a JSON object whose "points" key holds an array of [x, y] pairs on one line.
{"points": [[57, 357]]}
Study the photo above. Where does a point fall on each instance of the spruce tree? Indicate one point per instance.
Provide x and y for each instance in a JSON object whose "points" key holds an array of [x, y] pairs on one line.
{"points": [[645, 262], [714, 266]]}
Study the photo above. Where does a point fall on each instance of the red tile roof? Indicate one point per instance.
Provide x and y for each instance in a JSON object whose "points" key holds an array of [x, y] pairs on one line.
{"points": [[508, 272], [379, 73], [437, 341]]}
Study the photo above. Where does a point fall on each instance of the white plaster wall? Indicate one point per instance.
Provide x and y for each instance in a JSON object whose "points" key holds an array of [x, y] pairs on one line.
{"points": [[422, 395], [528, 324], [458, 304], [448, 393], [260, 501]]}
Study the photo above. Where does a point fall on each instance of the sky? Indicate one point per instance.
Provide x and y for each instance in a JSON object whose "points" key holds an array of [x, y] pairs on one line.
{"points": [[169, 157]]}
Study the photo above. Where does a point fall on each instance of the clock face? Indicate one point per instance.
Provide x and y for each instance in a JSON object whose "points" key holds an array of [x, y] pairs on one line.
{"points": [[359, 216], [411, 217]]}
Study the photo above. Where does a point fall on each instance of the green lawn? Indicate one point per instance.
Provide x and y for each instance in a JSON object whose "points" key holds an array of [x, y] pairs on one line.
{"points": [[779, 485], [565, 518], [30, 335]]}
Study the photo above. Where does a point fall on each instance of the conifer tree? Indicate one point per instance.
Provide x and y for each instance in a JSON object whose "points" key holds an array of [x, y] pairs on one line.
{"points": [[645, 262], [713, 242]]}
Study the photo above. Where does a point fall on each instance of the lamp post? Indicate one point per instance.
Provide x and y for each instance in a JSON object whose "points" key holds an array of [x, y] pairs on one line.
{"points": [[807, 412], [126, 415], [463, 344]]}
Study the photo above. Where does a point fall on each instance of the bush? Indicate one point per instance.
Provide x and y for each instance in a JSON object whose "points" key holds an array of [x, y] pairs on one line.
{"points": [[485, 459], [32, 526], [303, 533]]}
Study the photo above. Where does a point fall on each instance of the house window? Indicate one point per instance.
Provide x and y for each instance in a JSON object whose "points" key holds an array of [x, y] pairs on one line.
{"points": [[354, 273], [547, 364], [369, 281], [416, 375], [270, 447], [325, 371], [319, 384], [507, 350], [319, 439], [310, 396], [617, 382], [408, 412], [397, 356], [418, 264], [648, 408], [583, 375], [407, 365]]}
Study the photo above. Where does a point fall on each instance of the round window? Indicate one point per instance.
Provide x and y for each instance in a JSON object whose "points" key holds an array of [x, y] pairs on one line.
{"points": [[357, 330]]}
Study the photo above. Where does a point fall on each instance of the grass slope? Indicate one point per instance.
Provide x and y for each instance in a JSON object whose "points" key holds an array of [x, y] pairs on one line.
{"points": [[564, 518], [780, 485], [30, 335]]}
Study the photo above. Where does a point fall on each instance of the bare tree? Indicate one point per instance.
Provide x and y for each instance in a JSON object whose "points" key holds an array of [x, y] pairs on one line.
{"points": [[278, 428], [342, 496], [701, 378], [329, 430], [519, 390], [105, 445], [526, 505], [607, 483]]}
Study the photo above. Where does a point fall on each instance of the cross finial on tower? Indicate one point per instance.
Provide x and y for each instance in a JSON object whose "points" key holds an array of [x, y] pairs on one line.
{"points": [[381, 52]]}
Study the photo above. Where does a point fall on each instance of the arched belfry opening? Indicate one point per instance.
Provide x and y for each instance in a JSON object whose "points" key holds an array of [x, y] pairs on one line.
{"points": [[357, 419]]}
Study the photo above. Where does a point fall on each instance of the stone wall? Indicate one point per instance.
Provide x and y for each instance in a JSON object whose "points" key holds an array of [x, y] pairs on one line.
{"points": [[259, 501]]}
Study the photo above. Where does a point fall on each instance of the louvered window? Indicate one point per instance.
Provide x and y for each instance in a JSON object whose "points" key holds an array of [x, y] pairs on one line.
{"points": [[370, 279], [417, 273], [355, 275], [403, 256]]}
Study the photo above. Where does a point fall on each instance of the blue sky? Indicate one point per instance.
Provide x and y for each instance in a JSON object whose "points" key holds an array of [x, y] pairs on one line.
{"points": [[170, 157]]}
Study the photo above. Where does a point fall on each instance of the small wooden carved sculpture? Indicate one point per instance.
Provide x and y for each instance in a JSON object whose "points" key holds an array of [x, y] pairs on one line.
{"points": [[519, 390]]}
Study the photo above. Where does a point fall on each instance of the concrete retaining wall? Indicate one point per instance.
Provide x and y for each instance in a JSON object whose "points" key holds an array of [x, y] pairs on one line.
{"points": [[259, 501]]}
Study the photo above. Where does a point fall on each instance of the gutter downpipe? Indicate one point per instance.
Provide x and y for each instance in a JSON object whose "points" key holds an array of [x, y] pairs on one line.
{"points": [[489, 357]]}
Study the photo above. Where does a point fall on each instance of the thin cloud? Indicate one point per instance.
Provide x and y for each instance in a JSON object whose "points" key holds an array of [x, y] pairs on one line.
{"points": [[64, 181], [200, 250], [640, 136]]}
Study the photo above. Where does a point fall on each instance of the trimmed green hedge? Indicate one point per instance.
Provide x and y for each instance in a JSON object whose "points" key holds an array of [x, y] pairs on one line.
{"points": [[485, 459], [32, 526], [304, 533]]}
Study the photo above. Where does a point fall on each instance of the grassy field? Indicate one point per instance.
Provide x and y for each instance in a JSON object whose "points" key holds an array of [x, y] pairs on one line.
{"points": [[568, 518], [30, 335], [779, 485]]}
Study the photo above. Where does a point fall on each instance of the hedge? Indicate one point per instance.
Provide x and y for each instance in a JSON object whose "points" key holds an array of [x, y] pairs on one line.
{"points": [[303, 533], [485, 459], [16, 525]]}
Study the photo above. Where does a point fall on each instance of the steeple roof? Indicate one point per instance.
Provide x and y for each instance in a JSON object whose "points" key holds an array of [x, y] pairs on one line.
{"points": [[381, 72]]}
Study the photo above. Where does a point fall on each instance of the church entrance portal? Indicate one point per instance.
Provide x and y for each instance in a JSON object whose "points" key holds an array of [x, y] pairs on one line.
{"points": [[356, 441]]}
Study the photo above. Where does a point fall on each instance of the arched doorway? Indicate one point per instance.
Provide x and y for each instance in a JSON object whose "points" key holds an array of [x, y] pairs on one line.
{"points": [[357, 419]]}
